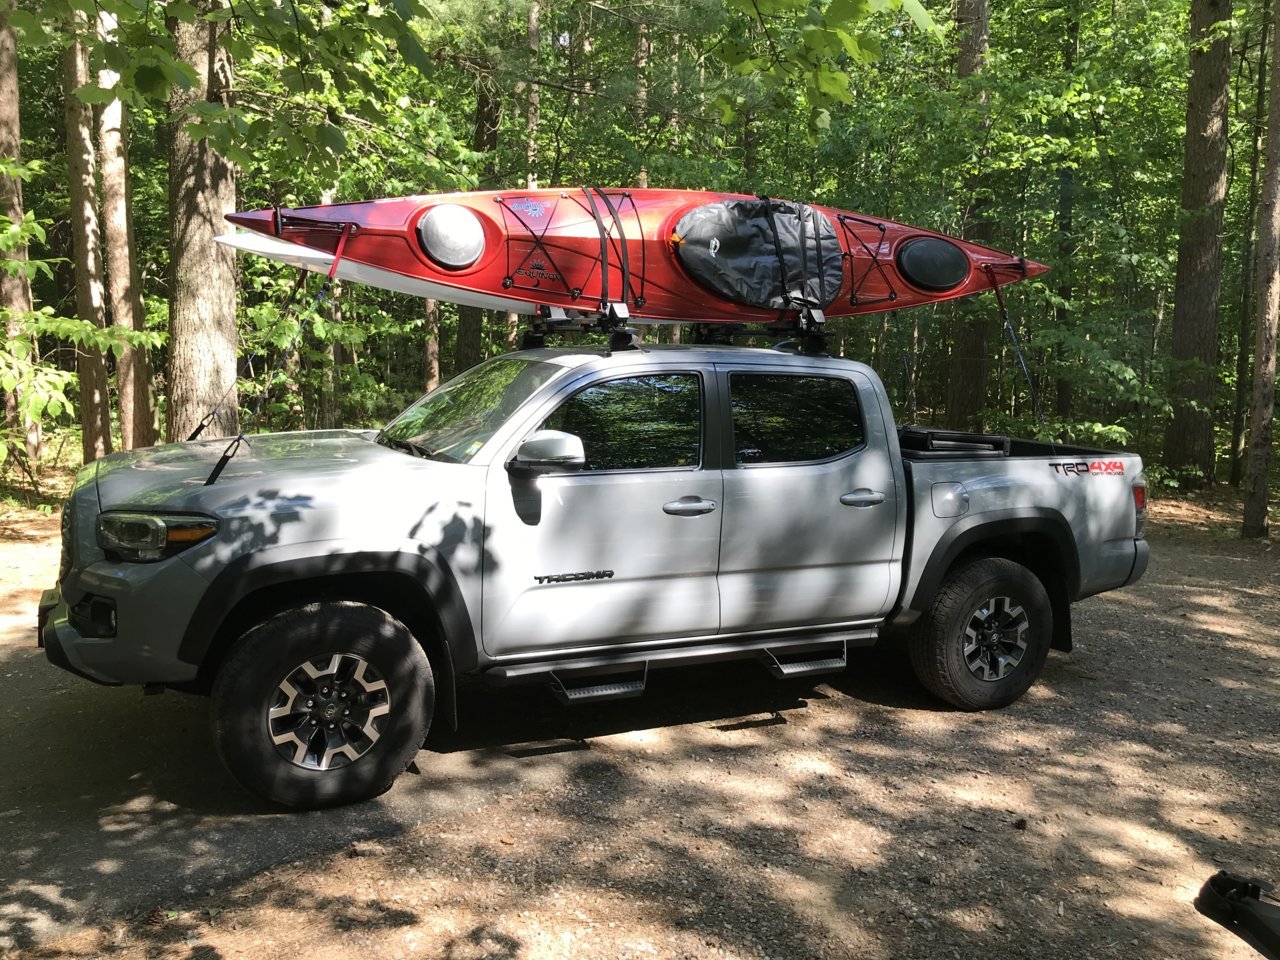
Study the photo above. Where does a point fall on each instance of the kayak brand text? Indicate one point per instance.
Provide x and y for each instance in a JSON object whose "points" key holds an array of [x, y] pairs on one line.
{"points": [[529, 207], [537, 271]]}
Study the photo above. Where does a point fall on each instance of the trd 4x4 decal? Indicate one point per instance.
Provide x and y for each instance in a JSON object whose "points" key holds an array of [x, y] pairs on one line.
{"points": [[1084, 468]]}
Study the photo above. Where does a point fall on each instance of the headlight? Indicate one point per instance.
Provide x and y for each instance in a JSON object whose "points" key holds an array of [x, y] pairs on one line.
{"points": [[146, 537]]}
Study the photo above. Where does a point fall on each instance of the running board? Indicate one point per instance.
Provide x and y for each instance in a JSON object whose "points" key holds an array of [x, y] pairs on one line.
{"points": [[784, 670], [816, 644], [568, 694]]}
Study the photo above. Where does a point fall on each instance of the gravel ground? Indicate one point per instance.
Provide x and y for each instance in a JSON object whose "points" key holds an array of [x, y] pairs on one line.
{"points": [[726, 815]]}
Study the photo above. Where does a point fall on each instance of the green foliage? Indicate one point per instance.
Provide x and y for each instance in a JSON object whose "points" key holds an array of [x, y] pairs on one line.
{"points": [[40, 389], [853, 103], [795, 44], [40, 386]]}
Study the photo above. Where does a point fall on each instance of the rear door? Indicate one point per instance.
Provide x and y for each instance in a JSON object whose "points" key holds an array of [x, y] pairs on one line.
{"points": [[810, 503]]}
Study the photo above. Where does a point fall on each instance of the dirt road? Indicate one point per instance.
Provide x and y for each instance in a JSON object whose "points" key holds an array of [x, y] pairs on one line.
{"points": [[723, 815]]}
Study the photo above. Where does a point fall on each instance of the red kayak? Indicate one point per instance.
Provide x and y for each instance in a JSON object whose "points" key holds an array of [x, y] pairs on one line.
{"points": [[657, 255]]}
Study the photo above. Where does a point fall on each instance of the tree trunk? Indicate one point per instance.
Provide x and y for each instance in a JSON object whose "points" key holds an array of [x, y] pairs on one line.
{"points": [[643, 51], [1264, 356], [1065, 266], [15, 291], [1247, 284], [533, 105], [431, 347], [95, 406], [967, 385], [1188, 446], [469, 344], [202, 284], [329, 413], [124, 296], [749, 140], [330, 387]]}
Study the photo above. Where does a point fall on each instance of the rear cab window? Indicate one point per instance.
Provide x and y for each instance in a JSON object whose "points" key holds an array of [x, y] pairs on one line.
{"points": [[793, 418]]}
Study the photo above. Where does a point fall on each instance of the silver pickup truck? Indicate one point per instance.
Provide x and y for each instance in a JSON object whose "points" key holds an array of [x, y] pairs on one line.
{"points": [[576, 517]]}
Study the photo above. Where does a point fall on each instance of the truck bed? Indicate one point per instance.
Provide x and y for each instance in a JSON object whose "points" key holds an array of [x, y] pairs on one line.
{"points": [[1079, 496], [926, 443]]}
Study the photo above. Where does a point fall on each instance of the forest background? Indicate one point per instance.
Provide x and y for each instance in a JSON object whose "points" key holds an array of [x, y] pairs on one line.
{"points": [[1125, 143]]}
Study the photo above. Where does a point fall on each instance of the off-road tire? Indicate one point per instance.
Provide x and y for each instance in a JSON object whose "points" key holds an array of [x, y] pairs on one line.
{"points": [[939, 639], [251, 678]]}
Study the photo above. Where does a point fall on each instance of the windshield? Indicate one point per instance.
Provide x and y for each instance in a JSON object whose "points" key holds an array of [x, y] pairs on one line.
{"points": [[453, 422]]}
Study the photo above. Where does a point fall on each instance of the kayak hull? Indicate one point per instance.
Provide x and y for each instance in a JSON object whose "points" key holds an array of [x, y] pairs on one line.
{"points": [[594, 251]]}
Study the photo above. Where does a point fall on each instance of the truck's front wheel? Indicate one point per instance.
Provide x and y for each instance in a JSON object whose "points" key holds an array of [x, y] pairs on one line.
{"points": [[322, 705], [986, 638]]}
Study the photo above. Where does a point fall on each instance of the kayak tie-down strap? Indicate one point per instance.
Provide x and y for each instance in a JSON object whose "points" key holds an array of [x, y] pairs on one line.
{"points": [[342, 245], [209, 417], [1017, 345], [284, 359], [320, 297]]}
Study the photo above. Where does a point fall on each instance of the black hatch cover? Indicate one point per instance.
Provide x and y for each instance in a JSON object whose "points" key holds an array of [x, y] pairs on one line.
{"points": [[932, 263]]}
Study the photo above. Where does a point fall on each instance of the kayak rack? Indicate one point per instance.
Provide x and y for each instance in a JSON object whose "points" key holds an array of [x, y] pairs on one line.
{"points": [[805, 336]]}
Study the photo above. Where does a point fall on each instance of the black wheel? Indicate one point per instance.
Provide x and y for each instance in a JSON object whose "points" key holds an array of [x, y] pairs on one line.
{"points": [[322, 705], [986, 638]]}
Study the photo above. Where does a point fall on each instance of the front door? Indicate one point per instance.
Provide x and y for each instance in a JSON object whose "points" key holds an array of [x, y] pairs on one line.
{"points": [[624, 550]]}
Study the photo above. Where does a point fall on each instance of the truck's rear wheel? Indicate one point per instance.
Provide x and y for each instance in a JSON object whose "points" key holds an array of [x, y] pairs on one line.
{"points": [[322, 705], [986, 638]]}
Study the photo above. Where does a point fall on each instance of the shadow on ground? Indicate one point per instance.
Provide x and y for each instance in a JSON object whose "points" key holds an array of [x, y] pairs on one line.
{"points": [[722, 812]]}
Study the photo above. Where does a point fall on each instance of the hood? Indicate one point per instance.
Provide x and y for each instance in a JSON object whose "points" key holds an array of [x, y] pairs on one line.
{"points": [[173, 476]]}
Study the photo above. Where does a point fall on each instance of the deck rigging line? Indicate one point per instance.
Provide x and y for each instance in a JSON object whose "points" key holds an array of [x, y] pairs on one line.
{"points": [[876, 265], [612, 236]]}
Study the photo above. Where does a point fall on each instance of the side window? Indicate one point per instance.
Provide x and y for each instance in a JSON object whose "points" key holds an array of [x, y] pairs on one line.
{"points": [[792, 419], [636, 423]]}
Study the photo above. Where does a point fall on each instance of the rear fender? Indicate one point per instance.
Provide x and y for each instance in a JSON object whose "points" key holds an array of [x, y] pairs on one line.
{"points": [[1039, 538]]}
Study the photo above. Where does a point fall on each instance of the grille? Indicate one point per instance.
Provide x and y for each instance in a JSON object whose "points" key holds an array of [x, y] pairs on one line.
{"points": [[68, 535]]}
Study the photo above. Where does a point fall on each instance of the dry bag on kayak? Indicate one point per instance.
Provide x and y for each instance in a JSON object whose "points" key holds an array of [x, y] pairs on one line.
{"points": [[762, 253]]}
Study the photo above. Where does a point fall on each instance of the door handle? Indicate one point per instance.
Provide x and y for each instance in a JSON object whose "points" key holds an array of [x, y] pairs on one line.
{"points": [[688, 507], [862, 498]]}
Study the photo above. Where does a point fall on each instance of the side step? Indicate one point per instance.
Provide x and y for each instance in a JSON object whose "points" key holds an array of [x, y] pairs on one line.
{"points": [[823, 663], [568, 692]]}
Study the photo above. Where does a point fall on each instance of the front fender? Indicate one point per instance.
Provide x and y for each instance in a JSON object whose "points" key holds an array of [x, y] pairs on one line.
{"points": [[409, 565]]}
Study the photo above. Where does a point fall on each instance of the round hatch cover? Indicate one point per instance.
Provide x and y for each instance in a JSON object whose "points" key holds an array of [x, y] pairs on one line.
{"points": [[452, 235], [932, 263]]}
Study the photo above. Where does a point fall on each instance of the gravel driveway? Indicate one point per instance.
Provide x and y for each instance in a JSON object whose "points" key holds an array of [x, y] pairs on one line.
{"points": [[722, 815]]}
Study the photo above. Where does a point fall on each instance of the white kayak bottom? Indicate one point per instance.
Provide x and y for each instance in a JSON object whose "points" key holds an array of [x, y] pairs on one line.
{"points": [[319, 261]]}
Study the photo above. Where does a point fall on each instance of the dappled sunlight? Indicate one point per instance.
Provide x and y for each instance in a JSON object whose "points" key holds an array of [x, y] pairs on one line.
{"points": [[728, 815], [644, 740], [812, 766]]}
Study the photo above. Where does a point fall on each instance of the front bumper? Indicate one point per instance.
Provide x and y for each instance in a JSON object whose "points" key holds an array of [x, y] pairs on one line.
{"points": [[151, 606], [62, 643]]}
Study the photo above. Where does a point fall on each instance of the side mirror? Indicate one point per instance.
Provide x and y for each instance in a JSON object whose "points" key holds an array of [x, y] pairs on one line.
{"points": [[548, 451]]}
